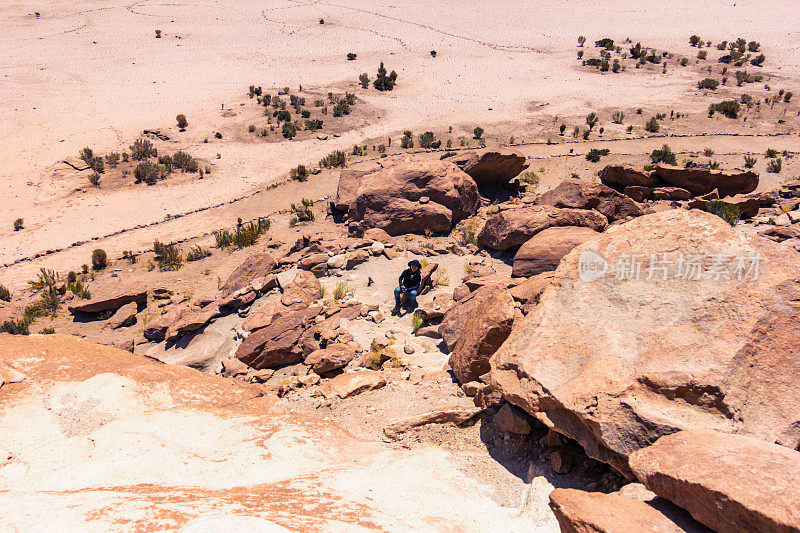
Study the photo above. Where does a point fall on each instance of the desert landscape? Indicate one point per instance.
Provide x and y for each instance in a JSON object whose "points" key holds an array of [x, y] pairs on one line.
{"points": [[208, 206]]}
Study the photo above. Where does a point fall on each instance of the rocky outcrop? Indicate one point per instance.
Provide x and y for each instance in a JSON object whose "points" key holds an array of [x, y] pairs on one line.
{"points": [[111, 298], [303, 290], [352, 383], [124, 317], [512, 227], [621, 176], [349, 181], [333, 357], [484, 330], [544, 251], [730, 483], [454, 415], [696, 179], [490, 168], [616, 360], [578, 194], [411, 196], [457, 315], [279, 343], [256, 266]]}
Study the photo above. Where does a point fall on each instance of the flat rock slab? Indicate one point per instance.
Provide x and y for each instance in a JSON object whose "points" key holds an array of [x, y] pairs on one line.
{"points": [[111, 298], [731, 483], [456, 415], [352, 383], [125, 316]]}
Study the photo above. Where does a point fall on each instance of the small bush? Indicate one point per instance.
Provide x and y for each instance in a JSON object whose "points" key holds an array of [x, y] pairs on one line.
{"points": [[384, 82], [426, 139], [478, 131], [342, 290], [218, 135], [147, 172], [664, 155], [749, 162], [758, 60], [5, 294], [729, 108], [771, 152], [158, 34], [708, 83], [787, 96], [702, 54], [196, 254], [728, 212], [594, 154], [18, 224], [99, 259], [303, 212], [168, 256], [142, 149], [530, 178], [652, 125], [416, 321], [334, 159], [694, 40], [351, 56], [617, 117], [606, 43], [775, 166], [299, 173], [14, 327], [182, 122], [289, 130], [313, 124], [468, 232], [708, 152], [363, 79]]}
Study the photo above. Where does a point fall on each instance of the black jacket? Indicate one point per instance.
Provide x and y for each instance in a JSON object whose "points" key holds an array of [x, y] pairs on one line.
{"points": [[410, 279]]}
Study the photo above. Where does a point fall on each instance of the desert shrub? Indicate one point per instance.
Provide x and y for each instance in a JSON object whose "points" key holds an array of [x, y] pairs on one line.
{"points": [[702, 54], [351, 56], [530, 178], [313, 124], [478, 131], [664, 155], [341, 108], [637, 51], [251, 128], [708, 83], [168, 256], [45, 278], [184, 161], [99, 259], [606, 43], [726, 211], [350, 98], [742, 76], [591, 119], [283, 115], [581, 40], [18, 224], [182, 122], [442, 277], [615, 66], [305, 113], [787, 96], [142, 149], [722, 45], [247, 234], [147, 172], [729, 108], [426, 139], [594, 154], [77, 288], [14, 327], [5, 294], [289, 130], [775, 166], [771, 152], [197, 253], [94, 179], [363, 79], [358, 150], [758, 60], [468, 232], [129, 256], [714, 165], [749, 162], [708, 152], [299, 173], [218, 135], [224, 238], [617, 117], [112, 159], [158, 34], [652, 125], [303, 212], [753, 46], [334, 159], [407, 141], [416, 321], [694, 40], [342, 290]]}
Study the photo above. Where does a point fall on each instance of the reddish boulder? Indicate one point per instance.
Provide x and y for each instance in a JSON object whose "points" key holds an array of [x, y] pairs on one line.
{"points": [[156, 330], [302, 291], [578, 194], [279, 343], [532, 289], [192, 319], [621, 176], [615, 361], [445, 415], [781, 233], [390, 198], [671, 193], [638, 193], [349, 181], [332, 357], [512, 227], [484, 330], [509, 420], [490, 168], [457, 316], [124, 317], [352, 383], [377, 234], [111, 298], [699, 180], [256, 266], [544, 251], [730, 483]]}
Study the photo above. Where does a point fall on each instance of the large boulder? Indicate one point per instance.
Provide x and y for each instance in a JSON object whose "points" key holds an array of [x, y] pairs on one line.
{"points": [[544, 251], [457, 316], [512, 227], [621, 176], [485, 329], [97, 439], [730, 483], [616, 360], [256, 266], [700, 180], [279, 343], [411, 196], [579, 194], [303, 290], [490, 168], [111, 298], [349, 181]]}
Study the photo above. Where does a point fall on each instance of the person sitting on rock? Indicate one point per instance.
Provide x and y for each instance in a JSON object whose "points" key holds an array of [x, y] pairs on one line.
{"points": [[408, 285]]}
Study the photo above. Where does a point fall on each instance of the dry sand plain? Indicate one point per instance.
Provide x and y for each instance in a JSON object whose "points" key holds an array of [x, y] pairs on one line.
{"points": [[93, 74]]}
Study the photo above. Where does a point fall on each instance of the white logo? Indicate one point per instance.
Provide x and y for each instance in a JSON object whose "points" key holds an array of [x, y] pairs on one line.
{"points": [[591, 266]]}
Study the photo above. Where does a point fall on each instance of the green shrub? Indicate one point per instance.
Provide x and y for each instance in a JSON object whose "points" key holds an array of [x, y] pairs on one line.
{"points": [[694, 40], [303, 212], [289, 130], [617, 117], [530, 178], [142, 149], [384, 82], [407, 141], [749, 162], [758, 60], [606, 43], [313, 124], [595, 154], [147, 172], [342, 290], [702, 54], [771, 152], [46, 278], [478, 131], [184, 161], [244, 234], [18, 224], [652, 125], [581, 40], [787, 96], [775, 166], [426, 139], [334, 159], [5, 294], [182, 122], [299, 173], [14, 327], [168, 256], [341, 108], [708, 83], [728, 212], [99, 259], [363, 79], [197, 253], [729, 108], [416, 321], [94, 179], [708, 152], [664, 155]]}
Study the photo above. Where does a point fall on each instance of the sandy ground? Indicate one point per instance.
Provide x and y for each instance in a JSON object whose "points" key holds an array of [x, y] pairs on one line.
{"points": [[93, 74]]}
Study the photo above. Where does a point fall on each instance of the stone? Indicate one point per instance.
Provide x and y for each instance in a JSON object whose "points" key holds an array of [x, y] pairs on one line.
{"points": [[512, 227], [455, 415], [560, 461], [377, 234], [621, 176], [279, 343], [578, 511], [376, 248], [432, 332], [544, 251], [355, 258], [491, 168], [332, 357], [435, 308], [257, 265], [670, 193], [730, 483], [509, 421], [124, 316], [337, 262], [617, 363], [408, 349], [471, 388], [111, 298], [486, 327], [532, 288], [304, 290], [349, 181], [156, 330], [782, 233], [352, 383], [388, 199], [260, 318], [699, 181], [638, 193], [192, 319], [456, 317], [782, 220], [579, 194], [241, 298]]}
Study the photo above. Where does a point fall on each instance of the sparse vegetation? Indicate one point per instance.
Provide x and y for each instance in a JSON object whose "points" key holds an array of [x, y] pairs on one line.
{"points": [[728, 212], [530, 178], [729, 108], [142, 149], [289, 130], [99, 259], [775, 166], [771, 152], [749, 162], [708, 152], [5, 294], [299, 173], [664, 155], [617, 117], [708, 83], [363, 79], [244, 235], [652, 125], [351, 56], [478, 131], [334, 159], [416, 321], [384, 82], [197, 253], [342, 290], [303, 212], [168, 256], [182, 122], [468, 232], [594, 154], [147, 172]]}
